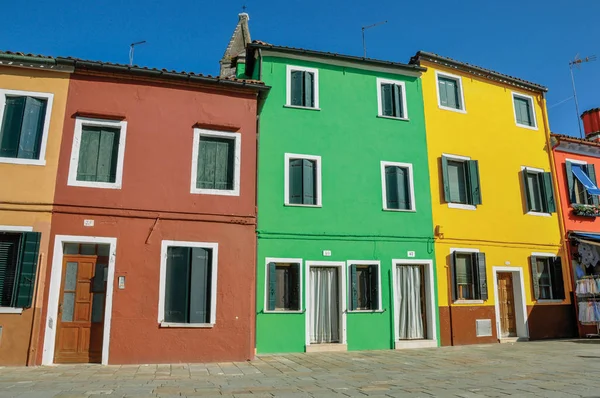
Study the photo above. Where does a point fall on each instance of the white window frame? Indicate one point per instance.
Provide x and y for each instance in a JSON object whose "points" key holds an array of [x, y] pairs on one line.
{"points": [[286, 185], [163, 280], [527, 169], [301, 292], [528, 98], [17, 229], [463, 250], [49, 97], [458, 79], [409, 166], [548, 255], [402, 84], [349, 288], [237, 161], [74, 164], [288, 86], [452, 205]]}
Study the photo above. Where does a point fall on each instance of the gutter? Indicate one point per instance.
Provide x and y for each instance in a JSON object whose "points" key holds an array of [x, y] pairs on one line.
{"points": [[32, 62]]}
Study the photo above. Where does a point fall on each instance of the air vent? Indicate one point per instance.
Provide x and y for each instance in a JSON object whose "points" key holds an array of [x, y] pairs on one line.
{"points": [[483, 327]]}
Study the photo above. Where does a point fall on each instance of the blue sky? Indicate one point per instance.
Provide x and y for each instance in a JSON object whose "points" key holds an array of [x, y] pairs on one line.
{"points": [[530, 39]]}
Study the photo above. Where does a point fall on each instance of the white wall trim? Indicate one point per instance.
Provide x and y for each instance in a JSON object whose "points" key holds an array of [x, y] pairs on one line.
{"points": [[461, 206], [519, 297], [458, 79], [529, 98], [286, 184], [15, 228], [74, 163], [237, 161], [11, 310], [455, 157], [342, 293], [409, 166], [544, 254], [288, 85], [430, 303], [349, 289], [576, 161], [163, 280], [49, 97], [532, 169], [266, 293], [402, 85], [54, 293]]}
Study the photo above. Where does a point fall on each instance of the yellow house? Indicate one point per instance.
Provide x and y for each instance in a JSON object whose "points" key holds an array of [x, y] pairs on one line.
{"points": [[497, 233], [33, 95]]}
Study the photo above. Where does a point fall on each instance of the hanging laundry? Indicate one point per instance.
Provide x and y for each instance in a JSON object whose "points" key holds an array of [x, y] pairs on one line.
{"points": [[589, 311], [589, 255]]}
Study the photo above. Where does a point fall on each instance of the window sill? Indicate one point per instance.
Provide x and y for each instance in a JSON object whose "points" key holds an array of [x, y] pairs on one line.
{"points": [[186, 325], [404, 119], [537, 213], [461, 206], [90, 184], [401, 210], [365, 311], [295, 205], [219, 192], [549, 301], [284, 312], [526, 126], [11, 310], [30, 162], [308, 108], [452, 109], [468, 302]]}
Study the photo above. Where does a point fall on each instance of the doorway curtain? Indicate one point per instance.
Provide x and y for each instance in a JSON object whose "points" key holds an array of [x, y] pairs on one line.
{"points": [[408, 293], [324, 313]]}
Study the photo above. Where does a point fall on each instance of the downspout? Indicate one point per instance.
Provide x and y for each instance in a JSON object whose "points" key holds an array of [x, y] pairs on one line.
{"points": [[33, 336]]}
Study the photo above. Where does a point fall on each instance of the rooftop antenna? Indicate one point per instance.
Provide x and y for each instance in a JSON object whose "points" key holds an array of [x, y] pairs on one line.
{"points": [[131, 48], [363, 35], [577, 62]]}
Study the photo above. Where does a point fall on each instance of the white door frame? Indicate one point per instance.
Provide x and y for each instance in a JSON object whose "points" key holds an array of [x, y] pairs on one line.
{"points": [[430, 302], [54, 294], [341, 291], [519, 297]]}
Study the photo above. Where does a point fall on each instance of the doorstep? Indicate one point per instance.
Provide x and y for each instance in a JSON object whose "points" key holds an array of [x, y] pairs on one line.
{"points": [[504, 340], [408, 344], [333, 347]]}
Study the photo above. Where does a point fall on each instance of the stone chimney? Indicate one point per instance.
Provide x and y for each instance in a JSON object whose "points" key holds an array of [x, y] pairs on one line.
{"points": [[236, 49], [591, 124]]}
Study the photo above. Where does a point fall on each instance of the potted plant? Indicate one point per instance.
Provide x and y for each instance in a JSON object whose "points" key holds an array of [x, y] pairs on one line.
{"points": [[586, 210]]}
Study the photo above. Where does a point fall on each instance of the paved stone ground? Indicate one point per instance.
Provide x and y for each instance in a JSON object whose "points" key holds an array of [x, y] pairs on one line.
{"points": [[535, 369]]}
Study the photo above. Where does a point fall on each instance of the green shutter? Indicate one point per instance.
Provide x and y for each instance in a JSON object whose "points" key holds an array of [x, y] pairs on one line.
{"points": [[88, 154], [295, 181], [528, 198], [534, 277], [523, 111], [474, 182], [215, 163], [570, 182], [200, 285], [448, 89], [403, 188], [224, 165], [207, 154], [391, 188], [442, 90], [481, 272], [11, 126], [397, 100], [373, 277], [9, 258], [353, 288], [32, 128], [591, 172], [309, 95], [387, 108], [445, 179], [295, 287], [453, 285], [309, 196], [550, 204], [558, 287], [297, 82], [518, 110], [272, 277], [30, 245], [177, 285], [108, 151]]}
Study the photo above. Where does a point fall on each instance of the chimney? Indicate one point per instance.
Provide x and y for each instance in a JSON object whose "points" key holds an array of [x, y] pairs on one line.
{"points": [[591, 124]]}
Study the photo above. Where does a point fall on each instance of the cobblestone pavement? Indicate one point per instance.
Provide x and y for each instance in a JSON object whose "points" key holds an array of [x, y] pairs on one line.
{"points": [[535, 369]]}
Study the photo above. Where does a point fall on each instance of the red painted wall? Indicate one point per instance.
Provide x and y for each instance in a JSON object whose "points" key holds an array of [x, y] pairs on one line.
{"points": [[156, 184]]}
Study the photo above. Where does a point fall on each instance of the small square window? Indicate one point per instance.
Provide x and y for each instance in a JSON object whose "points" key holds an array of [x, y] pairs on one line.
{"points": [[539, 193], [450, 95], [392, 99], [524, 111], [469, 276], [461, 180], [364, 287], [397, 184], [547, 278], [302, 87], [283, 281], [303, 180]]}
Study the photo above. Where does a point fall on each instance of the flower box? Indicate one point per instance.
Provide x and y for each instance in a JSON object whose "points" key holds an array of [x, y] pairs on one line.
{"points": [[586, 210]]}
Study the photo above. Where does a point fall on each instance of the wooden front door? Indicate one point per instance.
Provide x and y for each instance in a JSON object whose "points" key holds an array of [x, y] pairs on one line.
{"points": [[506, 301], [80, 311]]}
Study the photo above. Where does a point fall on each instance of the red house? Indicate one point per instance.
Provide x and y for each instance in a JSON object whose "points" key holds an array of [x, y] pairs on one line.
{"points": [[152, 246]]}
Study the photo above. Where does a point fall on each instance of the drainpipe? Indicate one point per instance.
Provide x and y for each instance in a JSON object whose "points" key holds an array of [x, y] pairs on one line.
{"points": [[33, 336], [448, 277]]}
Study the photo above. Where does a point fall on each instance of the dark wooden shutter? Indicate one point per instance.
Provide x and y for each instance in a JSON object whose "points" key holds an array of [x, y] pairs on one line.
{"points": [[200, 285], [445, 179], [89, 149], [518, 110], [177, 285], [391, 188], [451, 95], [535, 282], [474, 183], [374, 279], [224, 164], [528, 199], [403, 188], [309, 91], [387, 108], [297, 94], [397, 100], [25, 280], [353, 288], [442, 90], [591, 172], [481, 273], [108, 151], [570, 182], [309, 195], [9, 258], [548, 189], [272, 277], [11, 126], [453, 285], [558, 286], [32, 128], [295, 181], [295, 287]]}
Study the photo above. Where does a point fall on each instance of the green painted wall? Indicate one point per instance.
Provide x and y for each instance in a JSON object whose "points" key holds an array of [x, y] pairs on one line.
{"points": [[352, 141]]}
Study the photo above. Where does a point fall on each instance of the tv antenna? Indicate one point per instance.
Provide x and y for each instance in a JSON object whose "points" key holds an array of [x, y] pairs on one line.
{"points": [[363, 35], [577, 62], [131, 49]]}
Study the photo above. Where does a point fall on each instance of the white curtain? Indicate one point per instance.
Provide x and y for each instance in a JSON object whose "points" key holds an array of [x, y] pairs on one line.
{"points": [[408, 302], [324, 313]]}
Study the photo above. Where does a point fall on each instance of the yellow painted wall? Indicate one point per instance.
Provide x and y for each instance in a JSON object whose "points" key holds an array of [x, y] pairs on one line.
{"points": [[487, 132], [26, 200]]}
